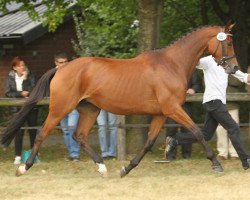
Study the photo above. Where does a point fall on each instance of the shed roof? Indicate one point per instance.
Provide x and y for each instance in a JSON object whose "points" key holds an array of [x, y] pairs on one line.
{"points": [[18, 26]]}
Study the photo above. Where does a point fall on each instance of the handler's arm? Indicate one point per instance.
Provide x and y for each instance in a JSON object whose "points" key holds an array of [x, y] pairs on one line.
{"points": [[243, 77]]}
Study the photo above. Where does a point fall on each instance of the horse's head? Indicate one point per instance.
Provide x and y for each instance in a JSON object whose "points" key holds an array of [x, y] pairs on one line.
{"points": [[221, 47]]}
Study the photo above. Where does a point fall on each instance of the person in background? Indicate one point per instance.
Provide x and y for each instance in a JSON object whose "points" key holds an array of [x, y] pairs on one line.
{"points": [[107, 132], [194, 86], [214, 101], [19, 84], [69, 123], [224, 144]]}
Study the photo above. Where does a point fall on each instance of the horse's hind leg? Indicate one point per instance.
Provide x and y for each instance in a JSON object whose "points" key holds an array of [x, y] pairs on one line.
{"points": [[182, 118], [49, 125], [155, 127], [57, 110], [88, 114]]}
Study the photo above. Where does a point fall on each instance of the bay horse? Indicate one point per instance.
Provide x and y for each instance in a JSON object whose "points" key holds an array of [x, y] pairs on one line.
{"points": [[154, 83]]}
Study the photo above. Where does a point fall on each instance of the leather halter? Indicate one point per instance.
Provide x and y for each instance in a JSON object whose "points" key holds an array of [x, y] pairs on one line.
{"points": [[225, 58]]}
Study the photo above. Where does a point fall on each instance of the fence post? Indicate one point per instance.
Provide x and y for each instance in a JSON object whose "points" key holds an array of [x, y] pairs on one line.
{"points": [[121, 138]]}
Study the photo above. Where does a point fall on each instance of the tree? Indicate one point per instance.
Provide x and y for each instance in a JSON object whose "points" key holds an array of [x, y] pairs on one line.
{"points": [[103, 29], [237, 10], [150, 15]]}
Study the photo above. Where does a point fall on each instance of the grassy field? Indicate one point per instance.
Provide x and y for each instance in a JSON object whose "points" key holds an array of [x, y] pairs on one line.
{"points": [[182, 179]]}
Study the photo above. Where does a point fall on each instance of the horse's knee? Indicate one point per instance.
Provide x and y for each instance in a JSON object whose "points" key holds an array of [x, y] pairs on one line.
{"points": [[39, 138], [78, 138], [149, 145], [198, 134]]}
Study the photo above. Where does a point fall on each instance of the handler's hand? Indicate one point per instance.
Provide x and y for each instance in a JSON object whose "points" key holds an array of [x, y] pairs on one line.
{"points": [[25, 93], [190, 91]]}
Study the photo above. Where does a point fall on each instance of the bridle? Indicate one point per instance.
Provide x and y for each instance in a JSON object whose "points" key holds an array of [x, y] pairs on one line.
{"points": [[224, 61]]}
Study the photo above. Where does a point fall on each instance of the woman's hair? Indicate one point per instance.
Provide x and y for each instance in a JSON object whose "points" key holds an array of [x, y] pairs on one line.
{"points": [[16, 61]]}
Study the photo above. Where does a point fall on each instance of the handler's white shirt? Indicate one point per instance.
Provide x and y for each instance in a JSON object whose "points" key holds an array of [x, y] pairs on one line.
{"points": [[216, 79]]}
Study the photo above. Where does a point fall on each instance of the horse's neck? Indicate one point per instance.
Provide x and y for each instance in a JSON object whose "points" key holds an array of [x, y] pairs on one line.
{"points": [[189, 49]]}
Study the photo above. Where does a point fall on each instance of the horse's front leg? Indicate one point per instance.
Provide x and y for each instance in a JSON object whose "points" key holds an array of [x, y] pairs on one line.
{"points": [[88, 114], [182, 118], [95, 157], [155, 127]]}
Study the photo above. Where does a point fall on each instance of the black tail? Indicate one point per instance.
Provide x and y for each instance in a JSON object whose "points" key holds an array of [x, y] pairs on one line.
{"points": [[40, 91]]}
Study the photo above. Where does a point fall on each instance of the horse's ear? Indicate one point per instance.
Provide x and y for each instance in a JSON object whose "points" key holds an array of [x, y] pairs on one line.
{"points": [[229, 26]]}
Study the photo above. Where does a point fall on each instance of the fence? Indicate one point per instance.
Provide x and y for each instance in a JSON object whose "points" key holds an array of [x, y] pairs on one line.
{"points": [[121, 137]]}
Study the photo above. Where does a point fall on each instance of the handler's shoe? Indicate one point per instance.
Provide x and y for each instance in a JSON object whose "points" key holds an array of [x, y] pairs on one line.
{"points": [[171, 144], [73, 159], [246, 164], [17, 160]]}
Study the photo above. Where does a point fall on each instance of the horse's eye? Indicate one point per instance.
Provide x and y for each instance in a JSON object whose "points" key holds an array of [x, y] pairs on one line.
{"points": [[229, 38]]}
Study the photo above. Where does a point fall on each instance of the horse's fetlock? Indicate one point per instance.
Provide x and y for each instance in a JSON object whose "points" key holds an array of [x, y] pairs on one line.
{"points": [[210, 156], [148, 148], [134, 163], [28, 165], [77, 138]]}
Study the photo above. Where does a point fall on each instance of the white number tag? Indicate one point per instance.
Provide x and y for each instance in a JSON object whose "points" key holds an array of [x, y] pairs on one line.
{"points": [[221, 36]]}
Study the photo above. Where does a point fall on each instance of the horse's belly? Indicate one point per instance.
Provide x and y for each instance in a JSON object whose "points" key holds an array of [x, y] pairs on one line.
{"points": [[150, 107]]}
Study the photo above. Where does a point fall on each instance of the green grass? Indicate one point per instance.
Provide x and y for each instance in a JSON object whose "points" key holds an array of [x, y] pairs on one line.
{"points": [[190, 179]]}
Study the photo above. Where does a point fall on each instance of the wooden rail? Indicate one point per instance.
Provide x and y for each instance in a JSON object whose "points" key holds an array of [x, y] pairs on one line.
{"points": [[20, 101], [121, 141], [190, 98]]}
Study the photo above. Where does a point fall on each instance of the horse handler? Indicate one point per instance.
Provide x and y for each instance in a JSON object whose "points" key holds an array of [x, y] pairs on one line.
{"points": [[214, 101]]}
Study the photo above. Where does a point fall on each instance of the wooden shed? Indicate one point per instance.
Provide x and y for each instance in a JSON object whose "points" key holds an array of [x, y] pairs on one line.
{"points": [[20, 36]]}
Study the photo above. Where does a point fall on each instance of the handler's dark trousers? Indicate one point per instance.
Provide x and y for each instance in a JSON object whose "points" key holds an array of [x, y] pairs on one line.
{"points": [[217, 113]]}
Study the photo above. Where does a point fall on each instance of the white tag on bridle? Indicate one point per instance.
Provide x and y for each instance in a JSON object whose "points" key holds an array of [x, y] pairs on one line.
{"points": [[221, 36]]}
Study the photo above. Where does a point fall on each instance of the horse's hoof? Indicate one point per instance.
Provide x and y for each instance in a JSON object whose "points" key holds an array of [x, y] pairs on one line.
{"points": [[218, 168], [20, 170], [102, 169], [246, 164], [123, 172]]}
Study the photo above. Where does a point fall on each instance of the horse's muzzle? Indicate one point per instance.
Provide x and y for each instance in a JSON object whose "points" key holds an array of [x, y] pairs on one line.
{"points": [[230, 68], [235, 69]]}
